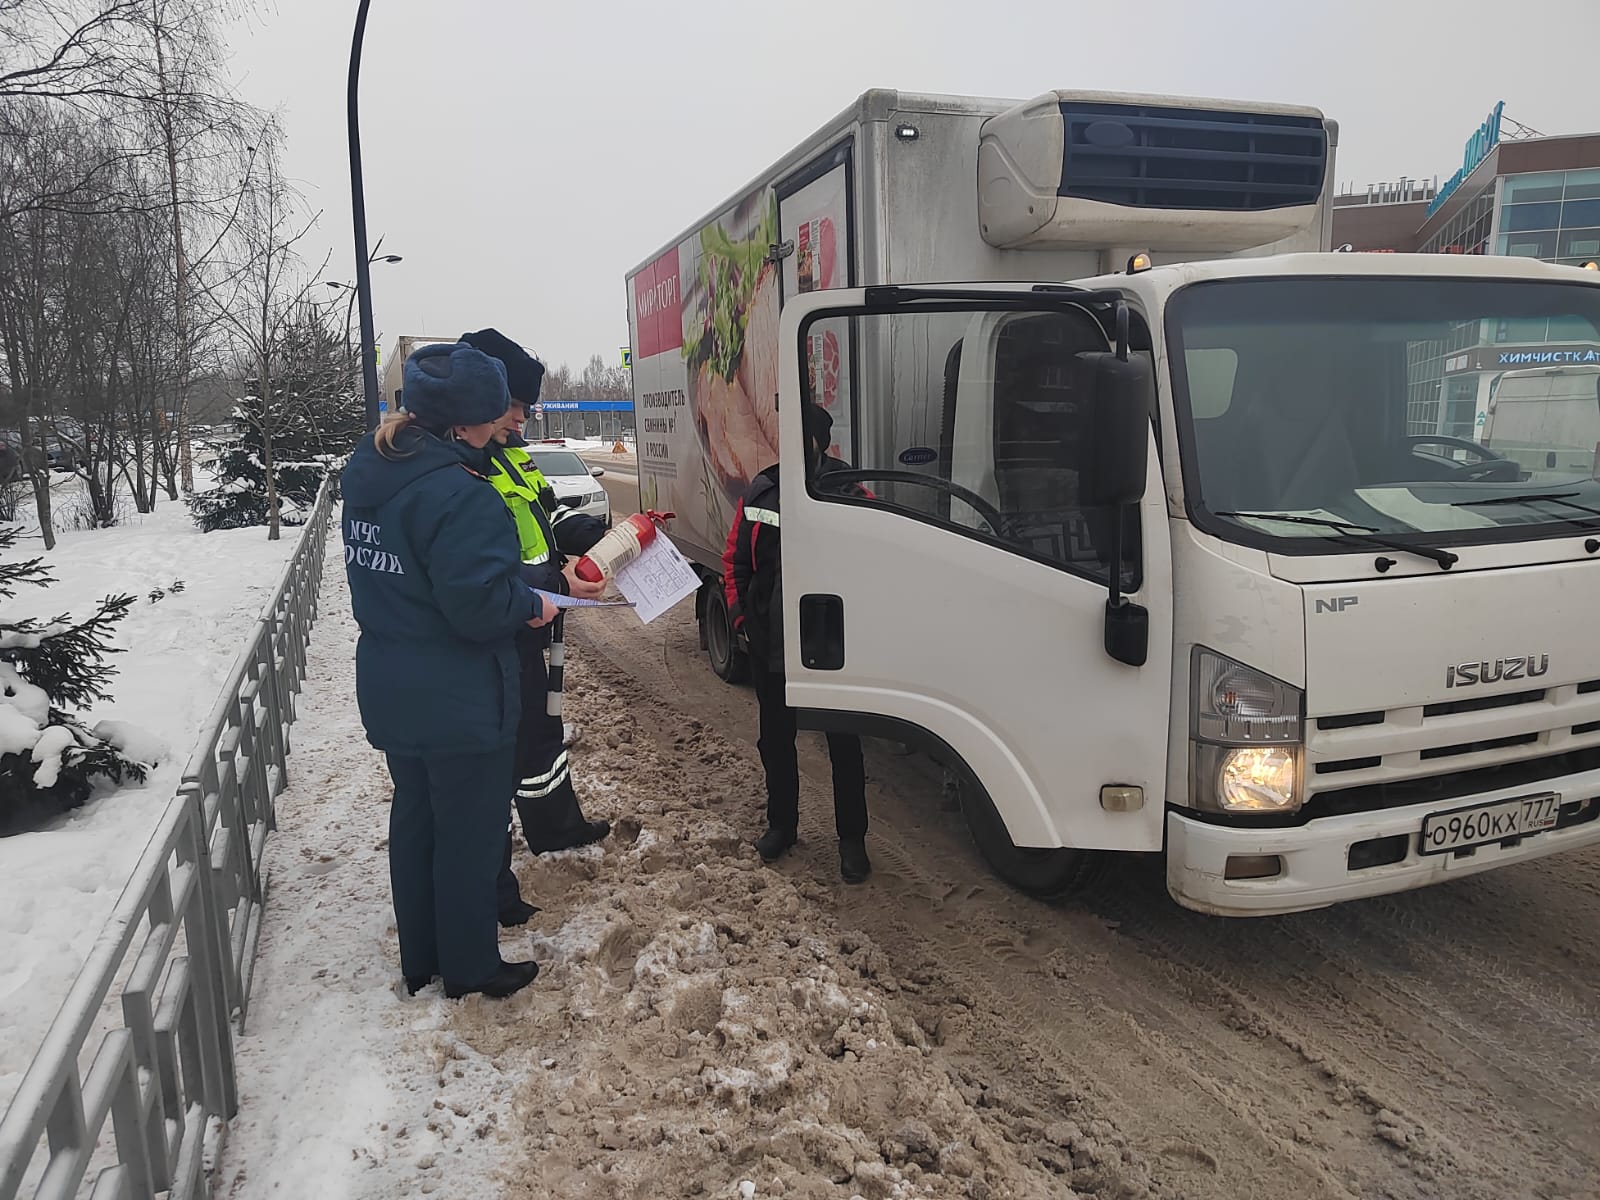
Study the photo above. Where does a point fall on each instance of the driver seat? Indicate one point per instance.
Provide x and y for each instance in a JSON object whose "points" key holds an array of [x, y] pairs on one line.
{"points": [[1297, 450], [1039, 402]]}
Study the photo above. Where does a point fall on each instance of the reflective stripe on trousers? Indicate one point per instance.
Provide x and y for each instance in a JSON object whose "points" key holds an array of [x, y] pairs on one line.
{"points": [[537, 787]]}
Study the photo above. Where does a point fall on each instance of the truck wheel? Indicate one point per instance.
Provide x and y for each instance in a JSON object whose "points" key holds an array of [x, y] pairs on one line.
{"points": [[727, 660], [1046, 874]]}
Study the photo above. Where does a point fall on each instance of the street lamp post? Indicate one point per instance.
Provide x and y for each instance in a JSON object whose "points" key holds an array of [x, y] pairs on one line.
{"points": [[358, 210], [354, 291]]}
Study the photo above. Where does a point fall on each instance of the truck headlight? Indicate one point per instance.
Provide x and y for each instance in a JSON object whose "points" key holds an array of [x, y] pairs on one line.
{"points": [[1247, 748]]}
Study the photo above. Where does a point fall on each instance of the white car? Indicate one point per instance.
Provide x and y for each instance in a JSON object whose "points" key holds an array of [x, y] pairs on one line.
{"points": [[571, 477]]}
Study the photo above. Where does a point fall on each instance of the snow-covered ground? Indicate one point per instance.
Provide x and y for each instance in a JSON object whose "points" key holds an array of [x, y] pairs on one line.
{"points": [[57, 886], [702, 1027]]}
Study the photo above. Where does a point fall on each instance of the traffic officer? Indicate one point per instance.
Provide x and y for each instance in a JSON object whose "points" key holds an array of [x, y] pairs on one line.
{"points": [[552, 819], [436, 588], [752, 579]]}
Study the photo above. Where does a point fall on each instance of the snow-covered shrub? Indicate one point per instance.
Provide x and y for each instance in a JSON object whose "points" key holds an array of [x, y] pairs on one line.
{"points": [[306, 423], [240, 497], [49, 760]]}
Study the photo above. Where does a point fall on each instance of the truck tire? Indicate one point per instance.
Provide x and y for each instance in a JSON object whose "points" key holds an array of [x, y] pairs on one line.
{"points": [[728, 662], [1045, 874]]}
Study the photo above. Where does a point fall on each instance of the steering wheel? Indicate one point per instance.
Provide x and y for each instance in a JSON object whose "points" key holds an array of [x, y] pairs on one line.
{"points": [[1490, 469], [992, 516]]}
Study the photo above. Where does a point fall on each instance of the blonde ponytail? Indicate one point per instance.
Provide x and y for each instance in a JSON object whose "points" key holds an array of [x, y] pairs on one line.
{"points": [[394, 424]]}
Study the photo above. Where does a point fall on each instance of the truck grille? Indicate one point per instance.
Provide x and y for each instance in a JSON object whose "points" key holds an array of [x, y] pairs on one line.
{"points": [[1144, 156], [1361, 762]]}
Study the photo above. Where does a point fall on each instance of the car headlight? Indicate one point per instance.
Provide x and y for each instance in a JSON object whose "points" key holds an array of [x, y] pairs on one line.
{"points": [[1247, 753]]}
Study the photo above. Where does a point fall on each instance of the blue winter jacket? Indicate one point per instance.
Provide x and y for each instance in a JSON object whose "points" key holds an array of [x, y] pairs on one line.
{"points": [[432, 558]]}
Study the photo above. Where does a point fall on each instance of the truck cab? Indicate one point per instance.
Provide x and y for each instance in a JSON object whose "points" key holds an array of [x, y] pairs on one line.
{"points": [[1281, 626]]}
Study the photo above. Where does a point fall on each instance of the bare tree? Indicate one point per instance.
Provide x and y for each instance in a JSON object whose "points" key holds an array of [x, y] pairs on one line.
{"points": [[264, 292], [64, 50], [596, 382], [114, 117], [31, 295]]}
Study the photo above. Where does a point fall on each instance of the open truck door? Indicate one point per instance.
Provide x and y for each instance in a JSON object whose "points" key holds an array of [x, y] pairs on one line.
{"points": [[952, 586]]}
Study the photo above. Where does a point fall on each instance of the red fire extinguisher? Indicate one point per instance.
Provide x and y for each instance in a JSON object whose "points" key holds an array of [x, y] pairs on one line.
{"points": [[620, 547]]}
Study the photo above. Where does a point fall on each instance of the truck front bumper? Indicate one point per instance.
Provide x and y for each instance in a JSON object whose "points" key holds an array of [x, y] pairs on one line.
{"points": [[1316, 869]]}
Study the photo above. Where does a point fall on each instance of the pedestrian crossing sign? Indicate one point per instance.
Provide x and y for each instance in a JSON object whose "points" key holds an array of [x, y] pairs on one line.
{"points": [[627, 359]]}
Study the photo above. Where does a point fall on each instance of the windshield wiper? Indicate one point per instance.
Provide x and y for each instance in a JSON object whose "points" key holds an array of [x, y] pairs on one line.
{"points": [[1357, 533], [1562, 498]]}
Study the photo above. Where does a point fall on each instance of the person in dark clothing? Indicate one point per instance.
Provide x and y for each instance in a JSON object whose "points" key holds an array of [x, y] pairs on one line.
{"points": [[436, 588], [552, 819], [752, 578]]}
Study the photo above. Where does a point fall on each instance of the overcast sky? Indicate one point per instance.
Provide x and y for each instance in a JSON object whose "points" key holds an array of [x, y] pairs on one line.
{"points": [[523, 156]]}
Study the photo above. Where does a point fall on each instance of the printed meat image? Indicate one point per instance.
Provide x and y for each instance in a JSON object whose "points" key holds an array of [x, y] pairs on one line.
{"points": [[814, 255], [735, 441], [822, 366], [758, 366]]}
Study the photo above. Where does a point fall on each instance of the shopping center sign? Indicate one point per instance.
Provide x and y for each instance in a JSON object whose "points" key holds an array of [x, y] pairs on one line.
{"points": [[1477, 148], [1516, 358]]}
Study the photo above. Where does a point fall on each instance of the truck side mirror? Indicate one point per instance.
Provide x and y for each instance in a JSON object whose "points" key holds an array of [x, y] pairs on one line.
{"points": [[1116, 451], [1116, 458]]}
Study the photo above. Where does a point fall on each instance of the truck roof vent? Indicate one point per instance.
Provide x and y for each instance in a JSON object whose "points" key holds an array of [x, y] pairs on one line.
{"points": [[1147, 156]]}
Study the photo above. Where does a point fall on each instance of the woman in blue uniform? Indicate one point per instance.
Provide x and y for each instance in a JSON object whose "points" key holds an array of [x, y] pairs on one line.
{"points": [[435, 584]]}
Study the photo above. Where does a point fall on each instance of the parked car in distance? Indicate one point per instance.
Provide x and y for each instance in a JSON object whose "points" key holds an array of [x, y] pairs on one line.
{"points": [[572, 478]]}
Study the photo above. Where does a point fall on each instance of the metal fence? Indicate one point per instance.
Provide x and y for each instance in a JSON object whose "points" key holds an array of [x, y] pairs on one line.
{"points": [[178, 949]]}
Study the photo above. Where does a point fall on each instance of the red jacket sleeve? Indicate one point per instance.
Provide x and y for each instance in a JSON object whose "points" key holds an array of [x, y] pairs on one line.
{"points": [[736, 567]]}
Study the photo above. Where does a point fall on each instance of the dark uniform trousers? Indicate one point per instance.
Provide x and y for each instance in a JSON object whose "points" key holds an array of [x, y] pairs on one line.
{"points": [[780, 759], [444, 848], [544, 797], [546, 801]]}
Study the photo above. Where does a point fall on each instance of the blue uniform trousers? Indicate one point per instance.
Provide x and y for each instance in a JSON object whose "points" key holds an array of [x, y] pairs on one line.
{"points": [[447, 832]]}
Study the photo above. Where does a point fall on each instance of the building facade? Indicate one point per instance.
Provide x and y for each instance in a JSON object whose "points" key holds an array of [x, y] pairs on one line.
{"points": [[598, 419], [1535, 197]]}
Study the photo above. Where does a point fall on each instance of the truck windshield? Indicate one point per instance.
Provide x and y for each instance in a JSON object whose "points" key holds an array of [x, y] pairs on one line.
{"points": [[1430, 412]]}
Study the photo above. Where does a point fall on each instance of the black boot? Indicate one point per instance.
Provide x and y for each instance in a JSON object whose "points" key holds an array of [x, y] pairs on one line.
{"points": [[511, 978], [585, 833], [415, 983], [556, 822], [854, 865], [772, 844], [516, 912]]}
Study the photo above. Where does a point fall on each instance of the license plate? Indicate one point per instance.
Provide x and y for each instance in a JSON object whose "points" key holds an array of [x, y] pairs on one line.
{"points": [[1485, 824]]}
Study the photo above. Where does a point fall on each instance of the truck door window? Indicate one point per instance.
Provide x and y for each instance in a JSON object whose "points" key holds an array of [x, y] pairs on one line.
{"points": [[977, 423]]}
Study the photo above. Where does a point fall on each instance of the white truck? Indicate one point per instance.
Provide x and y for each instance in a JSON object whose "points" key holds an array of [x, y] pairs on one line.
{"points": [[1547, 419], [1343, 653], [390, 390]]}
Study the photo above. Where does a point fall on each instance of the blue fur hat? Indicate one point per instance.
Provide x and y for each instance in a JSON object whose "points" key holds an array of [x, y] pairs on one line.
{"points": [[453, 384]]}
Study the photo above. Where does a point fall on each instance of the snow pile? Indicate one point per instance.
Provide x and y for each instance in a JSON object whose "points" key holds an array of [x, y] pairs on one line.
{"points": [[701, 1026], [23, 711], [135, 741], [348, 1087], [58, 886]]}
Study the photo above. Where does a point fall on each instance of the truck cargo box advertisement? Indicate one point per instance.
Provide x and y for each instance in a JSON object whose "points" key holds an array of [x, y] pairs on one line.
{"points": [[705, 333]]}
